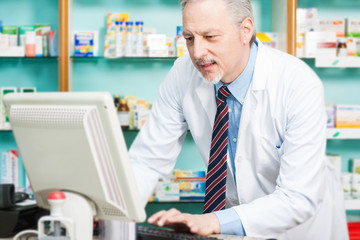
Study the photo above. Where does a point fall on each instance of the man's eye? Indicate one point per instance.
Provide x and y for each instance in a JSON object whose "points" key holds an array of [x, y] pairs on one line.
{"points": [[189, 39], [210, 36]]}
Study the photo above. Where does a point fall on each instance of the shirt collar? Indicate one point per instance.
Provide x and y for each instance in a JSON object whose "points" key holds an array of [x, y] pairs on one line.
{"points": [[240, 85]]}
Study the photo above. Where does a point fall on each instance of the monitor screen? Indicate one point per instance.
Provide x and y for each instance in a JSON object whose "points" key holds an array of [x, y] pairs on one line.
{"points": [[72, 141]]}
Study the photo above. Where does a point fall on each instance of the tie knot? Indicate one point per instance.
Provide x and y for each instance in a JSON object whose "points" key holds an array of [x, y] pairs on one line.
{"points": [[223, 94]]}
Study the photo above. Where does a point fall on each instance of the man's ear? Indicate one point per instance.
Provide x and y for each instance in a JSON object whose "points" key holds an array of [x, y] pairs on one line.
{"points": [[246, 30]]}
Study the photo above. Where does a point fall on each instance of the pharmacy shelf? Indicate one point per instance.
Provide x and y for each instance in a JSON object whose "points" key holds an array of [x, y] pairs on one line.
{"points": [[126, 59], [343, 133], [338, 62], [352, 204]]}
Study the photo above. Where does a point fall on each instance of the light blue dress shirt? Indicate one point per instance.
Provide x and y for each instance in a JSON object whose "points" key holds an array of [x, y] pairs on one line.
{"points": [[230, 221]]}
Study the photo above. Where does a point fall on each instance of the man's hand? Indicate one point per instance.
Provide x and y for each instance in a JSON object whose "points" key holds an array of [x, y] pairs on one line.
{"points": [[204, 224]]}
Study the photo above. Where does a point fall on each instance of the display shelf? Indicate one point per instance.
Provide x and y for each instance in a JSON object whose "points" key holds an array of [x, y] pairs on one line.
{"points": [[352, 204], [5, 130], [343, 133], [125, 59], [337, 62]]}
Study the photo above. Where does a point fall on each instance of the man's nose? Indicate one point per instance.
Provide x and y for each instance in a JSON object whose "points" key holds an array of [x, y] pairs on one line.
{"points": [[200, 49]]}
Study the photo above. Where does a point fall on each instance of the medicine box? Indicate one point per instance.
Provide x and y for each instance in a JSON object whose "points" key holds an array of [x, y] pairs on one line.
{"points": [[269, 39], [191, 190], [306, 19], [84, 44], [9, 36], [355, 165], [4, 119], [330, 111], [353, 27], [320, 44], [332, 25], [347, 116], [167, 191], [190, 174]]}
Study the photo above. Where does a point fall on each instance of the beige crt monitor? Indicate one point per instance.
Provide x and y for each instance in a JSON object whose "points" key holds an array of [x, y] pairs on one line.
{"points": [[72, 141]]}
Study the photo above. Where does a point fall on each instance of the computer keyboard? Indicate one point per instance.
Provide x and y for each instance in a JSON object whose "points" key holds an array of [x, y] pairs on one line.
{"points": [[149, 233]]}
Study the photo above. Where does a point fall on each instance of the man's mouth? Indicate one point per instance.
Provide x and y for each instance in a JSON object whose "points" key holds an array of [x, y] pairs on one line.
{"points": [[206, 66]]}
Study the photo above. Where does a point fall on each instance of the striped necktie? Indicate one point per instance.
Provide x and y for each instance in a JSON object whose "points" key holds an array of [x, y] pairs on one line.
{"points": [[217, 167]]}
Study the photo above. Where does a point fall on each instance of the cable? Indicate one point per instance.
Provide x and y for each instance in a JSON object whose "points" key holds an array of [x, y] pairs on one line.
{"points": [[17, 236]]}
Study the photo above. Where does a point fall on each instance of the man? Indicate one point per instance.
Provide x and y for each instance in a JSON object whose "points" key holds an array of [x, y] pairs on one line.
{"points": [[279, 183]]}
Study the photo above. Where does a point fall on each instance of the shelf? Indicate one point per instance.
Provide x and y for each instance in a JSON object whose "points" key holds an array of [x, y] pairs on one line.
{"points": [[338, 62], [126, 59], [343, 133], [5, 130], [352, 204]]}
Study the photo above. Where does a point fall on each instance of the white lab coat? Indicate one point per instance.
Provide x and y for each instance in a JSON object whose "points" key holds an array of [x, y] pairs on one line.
{"points": [[285, 185]]}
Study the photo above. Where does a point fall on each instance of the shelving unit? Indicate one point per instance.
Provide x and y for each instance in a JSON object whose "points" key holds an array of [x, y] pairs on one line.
{"points": [[343, 133], [339, 62], [352, 204]]}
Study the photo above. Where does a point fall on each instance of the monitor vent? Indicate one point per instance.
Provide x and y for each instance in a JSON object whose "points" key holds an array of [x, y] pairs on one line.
{"points": [[51, 116], [112, 212]]}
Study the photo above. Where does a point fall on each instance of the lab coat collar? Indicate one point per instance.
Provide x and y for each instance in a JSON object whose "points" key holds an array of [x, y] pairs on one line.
{"points": [[206, 93]]}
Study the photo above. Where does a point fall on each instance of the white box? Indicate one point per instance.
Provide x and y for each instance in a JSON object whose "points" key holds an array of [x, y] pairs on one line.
{"points": [[12, 51], [4, 121], [306, 19], [158, 51], [156, 40], [319, 44], [332, 25]]}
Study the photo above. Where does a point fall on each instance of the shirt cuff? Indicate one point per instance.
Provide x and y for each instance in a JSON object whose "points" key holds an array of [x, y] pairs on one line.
{"points": [[230, 222]]}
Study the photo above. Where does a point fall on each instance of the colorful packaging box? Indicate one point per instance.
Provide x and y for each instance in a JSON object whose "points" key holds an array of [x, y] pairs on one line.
{"points": [[167, 191], [353, 27], [332, 25], [192, 190], [347, 116], [5, 168], [53, 43], [320, 44], [190, 174], [22, 33], [269, 39], [10, 36], [84, 44], [330, 111]]}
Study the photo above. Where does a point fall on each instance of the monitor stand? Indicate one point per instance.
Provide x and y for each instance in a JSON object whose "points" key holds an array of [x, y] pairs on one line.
{"points": [[75, 213]]}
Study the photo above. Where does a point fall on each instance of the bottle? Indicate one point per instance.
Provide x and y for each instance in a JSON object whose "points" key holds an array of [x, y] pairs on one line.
{"points": [[129, 39], [116, 100], [139, 38], [119, 38], [124, 114], [342, 48]]}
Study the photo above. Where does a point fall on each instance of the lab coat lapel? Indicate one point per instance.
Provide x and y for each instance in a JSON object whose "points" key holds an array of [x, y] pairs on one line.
{"points": [[254, 98], [206, 95]]}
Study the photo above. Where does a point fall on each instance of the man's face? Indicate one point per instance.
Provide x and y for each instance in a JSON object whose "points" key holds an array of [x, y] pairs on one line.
{"points": [[214, 41]]}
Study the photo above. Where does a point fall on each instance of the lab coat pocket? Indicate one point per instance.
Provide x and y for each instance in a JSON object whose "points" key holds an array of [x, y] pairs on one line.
{"points": [[269, 162]]}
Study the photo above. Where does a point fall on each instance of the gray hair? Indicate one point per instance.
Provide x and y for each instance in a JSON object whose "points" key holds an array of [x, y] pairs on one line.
{"points": [[238, 11]]}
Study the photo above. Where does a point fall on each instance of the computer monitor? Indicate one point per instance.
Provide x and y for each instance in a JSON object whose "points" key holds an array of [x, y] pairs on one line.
{"points": [[72, 141]]}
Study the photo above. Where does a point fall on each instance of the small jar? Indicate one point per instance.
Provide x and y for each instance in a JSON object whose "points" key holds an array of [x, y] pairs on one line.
{"points": [[124, 114], [341, 48]]}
